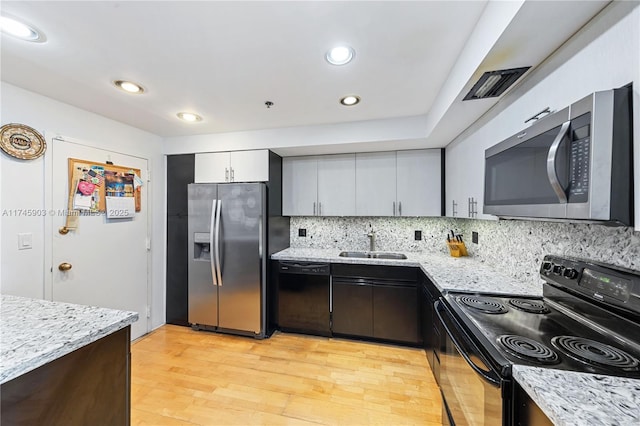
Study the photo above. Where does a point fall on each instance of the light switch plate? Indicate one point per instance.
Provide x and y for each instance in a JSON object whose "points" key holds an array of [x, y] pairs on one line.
{"points": [[25, 241]]}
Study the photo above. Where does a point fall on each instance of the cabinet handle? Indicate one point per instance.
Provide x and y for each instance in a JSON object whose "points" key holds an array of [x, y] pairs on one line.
{"points": [[319, 209], [394, 208], [226, 174], [314, 208], [454, 212], [399, 208], [232, 174]]}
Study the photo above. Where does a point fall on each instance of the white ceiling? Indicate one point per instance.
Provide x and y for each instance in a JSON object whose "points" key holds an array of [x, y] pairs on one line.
{"points": [[223, 60]]}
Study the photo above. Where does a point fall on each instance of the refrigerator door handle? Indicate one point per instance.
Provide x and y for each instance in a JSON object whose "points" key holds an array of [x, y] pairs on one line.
{"points": [[217, 243], [260, 237], [211, 246]]}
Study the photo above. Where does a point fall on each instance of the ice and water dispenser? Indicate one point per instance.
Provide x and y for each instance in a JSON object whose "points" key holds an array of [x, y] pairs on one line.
{"points": [[202, 246]]}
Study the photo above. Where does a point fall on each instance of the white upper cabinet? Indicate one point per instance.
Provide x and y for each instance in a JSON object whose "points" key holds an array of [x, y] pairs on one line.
{"points": [[337, 185], [419, 183], [250, 166], [236, 166], [465, 181], [300, 186], [376, 184], [402, 183], [212, 167]]}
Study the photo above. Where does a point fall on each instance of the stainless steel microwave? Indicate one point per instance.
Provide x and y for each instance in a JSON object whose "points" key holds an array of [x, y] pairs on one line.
{"points": [[574, 164]]}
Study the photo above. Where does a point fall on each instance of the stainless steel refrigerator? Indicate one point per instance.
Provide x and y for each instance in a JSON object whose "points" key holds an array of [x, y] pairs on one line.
{"points": [[228, 256]]}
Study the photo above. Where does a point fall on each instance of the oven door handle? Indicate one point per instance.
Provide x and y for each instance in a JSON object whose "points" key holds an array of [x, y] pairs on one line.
{"points": [[489, 378]]}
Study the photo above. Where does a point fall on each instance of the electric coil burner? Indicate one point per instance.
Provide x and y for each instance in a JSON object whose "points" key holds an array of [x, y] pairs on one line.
{"points": [[531, 306], [528, 349], [592, 352], [483, 304]]}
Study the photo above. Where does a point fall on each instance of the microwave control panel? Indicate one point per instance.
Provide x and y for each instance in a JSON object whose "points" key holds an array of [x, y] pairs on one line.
{"points": [[579, 170]]}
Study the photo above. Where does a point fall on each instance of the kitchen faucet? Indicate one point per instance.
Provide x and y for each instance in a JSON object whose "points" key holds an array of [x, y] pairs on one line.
{"points": [[372, 239]]}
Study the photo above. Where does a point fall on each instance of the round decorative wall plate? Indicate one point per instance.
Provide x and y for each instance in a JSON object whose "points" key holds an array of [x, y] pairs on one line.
{"points": [[22, 142]]}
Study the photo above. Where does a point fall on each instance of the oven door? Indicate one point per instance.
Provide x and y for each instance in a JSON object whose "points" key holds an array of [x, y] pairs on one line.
{"points": [[471, 390]]}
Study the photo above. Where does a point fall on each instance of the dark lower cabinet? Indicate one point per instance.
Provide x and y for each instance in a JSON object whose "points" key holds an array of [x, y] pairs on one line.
{"points": [[89, 386], [352, 309], [430, 325], [377, 302], [526, 411], [395, 313]]}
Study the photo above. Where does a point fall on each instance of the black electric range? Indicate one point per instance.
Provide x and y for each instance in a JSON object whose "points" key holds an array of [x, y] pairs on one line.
{"points": [[588, 320]]}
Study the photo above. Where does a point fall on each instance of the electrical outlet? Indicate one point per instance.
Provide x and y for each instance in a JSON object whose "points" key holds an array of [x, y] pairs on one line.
{"points": [[417, 235], [474, 237], [302, 232]]}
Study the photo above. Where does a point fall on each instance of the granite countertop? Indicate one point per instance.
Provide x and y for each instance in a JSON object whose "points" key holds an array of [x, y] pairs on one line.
{"points": [[569, 398], [446, 272], [34, 332]]}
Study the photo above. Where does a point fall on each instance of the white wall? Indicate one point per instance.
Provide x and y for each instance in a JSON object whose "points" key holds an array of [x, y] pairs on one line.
{"points": [[602, 55], [22, 187]]}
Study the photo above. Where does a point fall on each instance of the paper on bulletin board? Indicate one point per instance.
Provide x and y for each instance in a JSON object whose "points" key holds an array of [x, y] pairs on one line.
{"points": [[120, 207]]}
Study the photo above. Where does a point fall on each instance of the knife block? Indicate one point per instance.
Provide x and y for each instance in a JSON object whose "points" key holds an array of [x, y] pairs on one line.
{"points": [[457, 249]]}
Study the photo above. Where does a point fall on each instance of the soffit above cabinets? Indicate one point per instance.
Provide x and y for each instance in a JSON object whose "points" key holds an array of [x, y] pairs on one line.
{"points": [[223, 60]]}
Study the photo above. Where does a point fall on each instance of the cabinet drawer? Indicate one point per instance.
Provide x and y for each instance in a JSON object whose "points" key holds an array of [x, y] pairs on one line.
{"points": [[404, 274]]}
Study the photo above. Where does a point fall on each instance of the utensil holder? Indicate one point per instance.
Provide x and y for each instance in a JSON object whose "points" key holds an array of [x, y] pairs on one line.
{"points": [[457, 249]]}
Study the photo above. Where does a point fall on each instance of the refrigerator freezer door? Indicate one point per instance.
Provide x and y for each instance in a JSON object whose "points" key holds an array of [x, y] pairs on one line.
{"points": [[241, 303], [203, 292]]}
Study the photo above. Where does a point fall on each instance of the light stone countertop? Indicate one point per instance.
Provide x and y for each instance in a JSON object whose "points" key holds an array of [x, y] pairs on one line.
{"points": [[567, 398], [34, 332], [575, 399], [446, 272]]}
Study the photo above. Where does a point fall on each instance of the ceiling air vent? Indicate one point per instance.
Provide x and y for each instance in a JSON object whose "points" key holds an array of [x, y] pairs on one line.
{"points": [[494, 83]]}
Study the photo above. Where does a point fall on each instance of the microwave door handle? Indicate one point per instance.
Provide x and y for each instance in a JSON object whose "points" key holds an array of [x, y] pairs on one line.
{"points": [[480, 371], [551, 164]]}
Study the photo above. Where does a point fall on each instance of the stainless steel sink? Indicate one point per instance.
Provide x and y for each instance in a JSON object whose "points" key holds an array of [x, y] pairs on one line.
{"points": [[372, 255]]}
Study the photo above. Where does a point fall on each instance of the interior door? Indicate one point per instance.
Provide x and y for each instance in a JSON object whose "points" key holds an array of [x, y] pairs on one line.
{"points": [[108, 257]]}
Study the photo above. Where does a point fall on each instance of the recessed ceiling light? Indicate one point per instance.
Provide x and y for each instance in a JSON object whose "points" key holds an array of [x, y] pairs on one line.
{"points": [[340, 55], [350, 100], [189, 116], [129, 86], [15, 28]]}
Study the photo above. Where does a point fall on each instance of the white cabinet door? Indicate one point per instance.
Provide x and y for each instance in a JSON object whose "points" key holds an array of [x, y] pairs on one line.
{"points": [[299, 186], [419, 180], [337, 185], [376, 184], [249, 166], [212, 167]]}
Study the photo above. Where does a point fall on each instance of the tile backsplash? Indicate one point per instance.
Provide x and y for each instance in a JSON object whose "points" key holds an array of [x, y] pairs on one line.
{"points": [[514, 246]]}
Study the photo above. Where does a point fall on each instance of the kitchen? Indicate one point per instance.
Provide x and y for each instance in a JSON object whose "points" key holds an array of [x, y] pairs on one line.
{"points": [[601, 55]]}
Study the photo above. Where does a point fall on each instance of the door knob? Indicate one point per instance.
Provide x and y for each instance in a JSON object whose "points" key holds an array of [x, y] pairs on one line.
{"points": [[64, 266]]}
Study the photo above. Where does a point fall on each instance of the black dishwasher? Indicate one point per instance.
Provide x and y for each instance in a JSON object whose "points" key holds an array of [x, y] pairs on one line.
{"points": [[303, 297]]}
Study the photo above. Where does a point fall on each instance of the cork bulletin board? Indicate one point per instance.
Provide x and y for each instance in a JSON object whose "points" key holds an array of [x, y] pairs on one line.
{"points": [[80, 170]]}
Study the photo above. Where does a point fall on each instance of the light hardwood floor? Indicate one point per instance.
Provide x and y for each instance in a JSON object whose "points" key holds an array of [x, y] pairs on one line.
{"points": [[184, 377]]}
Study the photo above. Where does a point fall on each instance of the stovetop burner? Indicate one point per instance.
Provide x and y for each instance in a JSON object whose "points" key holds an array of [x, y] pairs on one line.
{"points": [[483, 304], [528, 349], [530, 306], [595, 353]]}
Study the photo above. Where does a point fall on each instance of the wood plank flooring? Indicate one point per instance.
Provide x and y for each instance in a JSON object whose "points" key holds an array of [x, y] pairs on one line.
{"points": [[186, 377]]}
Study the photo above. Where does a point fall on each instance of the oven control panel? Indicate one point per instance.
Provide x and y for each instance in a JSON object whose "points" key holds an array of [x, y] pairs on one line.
{"points": [[604, 283]]}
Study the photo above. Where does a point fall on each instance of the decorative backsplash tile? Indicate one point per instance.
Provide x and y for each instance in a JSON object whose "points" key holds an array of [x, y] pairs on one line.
{"points": [[516, 247]]}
